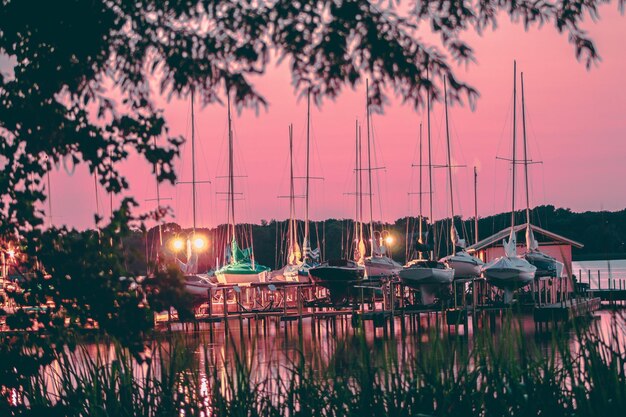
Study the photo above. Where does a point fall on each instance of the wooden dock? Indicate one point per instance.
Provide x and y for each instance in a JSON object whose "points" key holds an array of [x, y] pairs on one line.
{"points": [[566, 311], [610, 295]]}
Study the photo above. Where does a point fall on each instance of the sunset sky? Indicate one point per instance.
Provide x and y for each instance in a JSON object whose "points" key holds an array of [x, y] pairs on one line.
{"points": [[576, 126]]}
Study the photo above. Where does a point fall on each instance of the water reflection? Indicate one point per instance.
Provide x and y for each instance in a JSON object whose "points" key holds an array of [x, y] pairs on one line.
{"points": [[205, 370]]}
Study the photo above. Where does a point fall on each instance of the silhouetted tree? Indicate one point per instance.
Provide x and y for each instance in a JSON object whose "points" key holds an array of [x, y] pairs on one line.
{"points": [[80, 87]]}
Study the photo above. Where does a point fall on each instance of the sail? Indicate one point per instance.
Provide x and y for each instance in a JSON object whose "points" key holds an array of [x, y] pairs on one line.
{"points": [[313, 254], [531, 242], [376, 248], [510, 247], [238, 255], [294, 254], [191, 266], [359, 252]]}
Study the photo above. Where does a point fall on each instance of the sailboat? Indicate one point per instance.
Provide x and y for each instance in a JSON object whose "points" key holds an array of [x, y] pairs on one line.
{"points": [[338, 275], [510, 271], [310, 257], [546, 265], [299, 261], [464, 265], [195, 283], [428, 275], [241, 267], [379, 264], [291, 271]]}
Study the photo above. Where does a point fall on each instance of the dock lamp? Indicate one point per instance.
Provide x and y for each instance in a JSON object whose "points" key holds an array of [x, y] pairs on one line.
{"points": [[199, 243], [388, 238], [177, 244]]}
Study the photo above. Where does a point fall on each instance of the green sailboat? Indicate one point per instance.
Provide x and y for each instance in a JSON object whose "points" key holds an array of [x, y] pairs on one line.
{"points": [[240, 267]]}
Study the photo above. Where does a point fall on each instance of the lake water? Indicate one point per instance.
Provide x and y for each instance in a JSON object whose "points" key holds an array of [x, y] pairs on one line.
{"points": [[613, 270], [270, 351]]}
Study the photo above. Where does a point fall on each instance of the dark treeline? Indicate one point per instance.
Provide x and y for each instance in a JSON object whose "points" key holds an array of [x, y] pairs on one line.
{"points": [[602, 233]]}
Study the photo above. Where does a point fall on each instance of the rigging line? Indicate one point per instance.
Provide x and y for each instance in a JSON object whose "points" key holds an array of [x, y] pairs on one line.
{"points": [[378, 165]]}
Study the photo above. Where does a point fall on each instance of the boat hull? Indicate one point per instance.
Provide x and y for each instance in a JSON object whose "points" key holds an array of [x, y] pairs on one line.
{"points": [[509, 274], [465, 265], [230, 278], [338, 277], [197, 286], [290, 273], [381, 267], [428, 280], [547, 266], [464, 270], [426, 276], [333, 276]]}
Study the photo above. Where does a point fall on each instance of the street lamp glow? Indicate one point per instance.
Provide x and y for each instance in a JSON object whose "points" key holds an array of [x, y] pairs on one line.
{"points": [[178, 244]]}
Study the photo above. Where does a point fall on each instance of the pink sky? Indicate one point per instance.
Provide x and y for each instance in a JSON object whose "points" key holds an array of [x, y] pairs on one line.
{"points": [[576, 127]]}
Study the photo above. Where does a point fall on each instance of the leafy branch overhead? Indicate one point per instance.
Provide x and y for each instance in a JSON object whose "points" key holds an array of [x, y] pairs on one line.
{"points": [[86, 74]]}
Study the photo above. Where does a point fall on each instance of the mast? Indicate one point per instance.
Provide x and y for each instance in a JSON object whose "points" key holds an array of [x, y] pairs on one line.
{"points": [[514, 105], [158, 196], [95, 187], [430, 180], [49, 194], [475, 205], [525, 154], [421, 216], [452, 230], [193, 161], [231, 180], [360, 193], [307, 180], [291, 195], [356, 183], [369, 165]]}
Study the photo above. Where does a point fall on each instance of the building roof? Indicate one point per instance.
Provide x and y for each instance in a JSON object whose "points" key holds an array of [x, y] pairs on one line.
{"points": [[505, 233]]}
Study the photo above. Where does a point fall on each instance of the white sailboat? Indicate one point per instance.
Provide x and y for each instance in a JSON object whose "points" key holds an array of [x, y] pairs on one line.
{"points": [[510, 271], [465, 266], [299, 261], [195, 283], [428, 275], [378, 264], [310, 256], [546, 265], [241, 267], [290, 272]]}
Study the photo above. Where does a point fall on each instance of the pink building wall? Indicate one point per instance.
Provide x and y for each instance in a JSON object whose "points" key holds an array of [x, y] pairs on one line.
{"points": [[562, 252]]}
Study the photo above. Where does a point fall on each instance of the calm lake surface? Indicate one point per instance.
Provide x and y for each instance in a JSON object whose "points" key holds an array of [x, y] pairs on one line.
{"points": [[615, 270], [285, 343]]}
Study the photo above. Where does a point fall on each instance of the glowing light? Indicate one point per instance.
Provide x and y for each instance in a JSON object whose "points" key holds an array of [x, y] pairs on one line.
{"points": [[178, 244], [199, 243], [389, 240], [11, 253]]}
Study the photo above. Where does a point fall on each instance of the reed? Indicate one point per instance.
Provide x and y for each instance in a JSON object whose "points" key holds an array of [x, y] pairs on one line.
{"points": [[487, 375]]}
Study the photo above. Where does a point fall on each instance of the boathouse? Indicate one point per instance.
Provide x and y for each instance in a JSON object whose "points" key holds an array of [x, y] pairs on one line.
{"points": [[557, 246]]}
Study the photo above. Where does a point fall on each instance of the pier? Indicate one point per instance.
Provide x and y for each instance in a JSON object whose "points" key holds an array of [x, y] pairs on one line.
{"points": [[385, 304]]}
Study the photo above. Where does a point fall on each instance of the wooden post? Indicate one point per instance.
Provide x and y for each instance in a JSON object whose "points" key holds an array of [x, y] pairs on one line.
{"points": [[209, 291], [225, 304], [299, 301]]}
